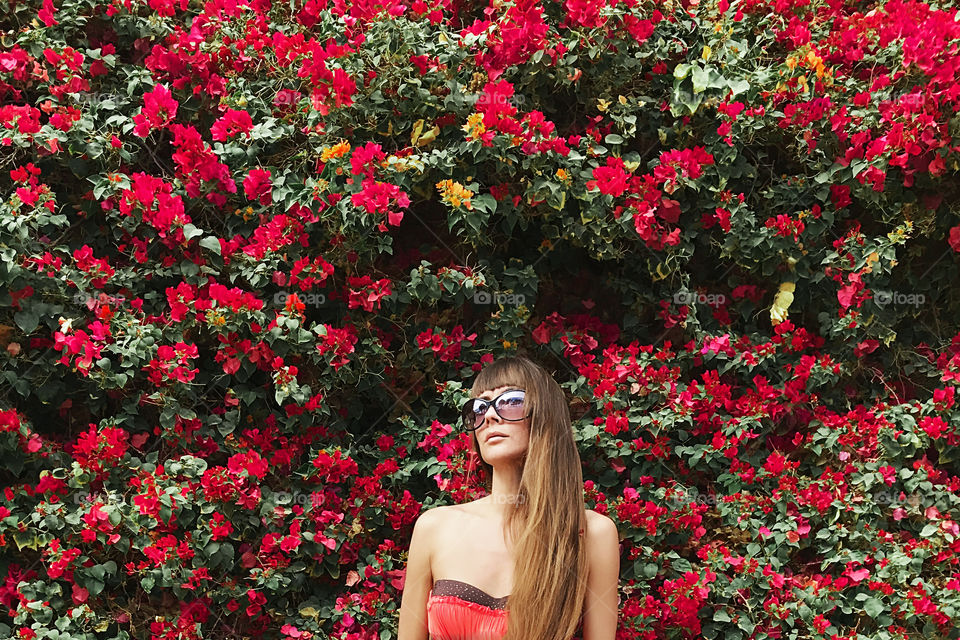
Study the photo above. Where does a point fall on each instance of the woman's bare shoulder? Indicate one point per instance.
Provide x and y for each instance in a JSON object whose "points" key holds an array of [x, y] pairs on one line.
{"points": [[598, 521], [445, 512]]}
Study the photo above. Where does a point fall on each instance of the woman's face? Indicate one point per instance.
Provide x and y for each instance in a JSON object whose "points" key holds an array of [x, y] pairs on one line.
{"points": [[515, 435]]}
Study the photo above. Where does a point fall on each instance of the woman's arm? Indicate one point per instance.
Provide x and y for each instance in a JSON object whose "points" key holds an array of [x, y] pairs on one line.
{"points": [[418, 579], [601, 607]]}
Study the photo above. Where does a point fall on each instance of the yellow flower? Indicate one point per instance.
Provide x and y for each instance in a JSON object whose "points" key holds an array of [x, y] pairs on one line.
{"points": [[338, 150], [474, 127], [782, 302], [455, 193]]}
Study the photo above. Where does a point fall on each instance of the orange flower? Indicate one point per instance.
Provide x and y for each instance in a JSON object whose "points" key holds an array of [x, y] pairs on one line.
{"points": [[474, 127], [338, 150], [455, 193]]}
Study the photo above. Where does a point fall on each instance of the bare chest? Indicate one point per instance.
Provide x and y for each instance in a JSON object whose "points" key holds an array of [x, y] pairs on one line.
{"points": [[471, 548]]}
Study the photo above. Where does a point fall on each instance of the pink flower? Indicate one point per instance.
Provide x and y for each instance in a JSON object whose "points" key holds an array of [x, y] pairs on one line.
{"points": [[859, 575], [382, 197], [954, 239], [840, 195], [257, 185], [365, 159], [820, 623], [369, 295], [159, 108], [46, 13], [230, 124], [934, 426], [610, 179]]}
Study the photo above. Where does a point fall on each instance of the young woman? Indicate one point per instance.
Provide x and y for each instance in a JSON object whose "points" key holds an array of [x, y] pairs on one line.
{"points": [[529, 553]]}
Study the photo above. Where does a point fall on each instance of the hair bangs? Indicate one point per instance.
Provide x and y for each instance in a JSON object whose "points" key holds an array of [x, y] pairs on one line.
{"points": [[501, 373]]}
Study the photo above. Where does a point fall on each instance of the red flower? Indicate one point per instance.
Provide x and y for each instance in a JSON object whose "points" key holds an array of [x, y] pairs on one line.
{"points": [[159, 108], [197, 162], [933, 426], [257, 185], [251, 462], [495, 102], [340, 342], [363, 159], [447, 347], [955, 238], [641, 30], [369, 295], [610, 179], [230, 124], [840, 195], [377, 197], [46, 15]]}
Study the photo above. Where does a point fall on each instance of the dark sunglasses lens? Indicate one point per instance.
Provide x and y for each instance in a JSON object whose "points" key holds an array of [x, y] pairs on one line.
{"points": [[472, 413], [510, 406]]}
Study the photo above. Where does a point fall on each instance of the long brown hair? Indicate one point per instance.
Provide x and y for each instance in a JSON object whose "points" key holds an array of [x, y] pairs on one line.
{"points": [[545, 521]]}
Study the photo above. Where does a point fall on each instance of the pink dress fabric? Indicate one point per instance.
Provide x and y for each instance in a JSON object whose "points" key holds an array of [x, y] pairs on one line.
{"points": [[458, 610], [452, 617]]}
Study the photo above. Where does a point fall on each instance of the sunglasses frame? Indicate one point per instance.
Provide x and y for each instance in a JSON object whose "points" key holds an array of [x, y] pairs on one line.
{"points": [[490, 403]]}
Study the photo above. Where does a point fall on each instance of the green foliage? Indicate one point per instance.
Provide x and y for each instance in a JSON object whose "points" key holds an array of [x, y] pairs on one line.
{"points": [[253, 255]]}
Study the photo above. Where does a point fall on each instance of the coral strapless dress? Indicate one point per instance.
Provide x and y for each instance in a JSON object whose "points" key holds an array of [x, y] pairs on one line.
{"points": [[460, 611]]}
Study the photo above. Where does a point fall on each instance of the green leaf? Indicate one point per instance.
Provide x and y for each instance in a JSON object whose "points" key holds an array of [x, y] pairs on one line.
{"points": [[94, 586], [485, 202], [212, 243], [190, 231], [873, 607], [738, 86], [701, 79], [27, 320]]}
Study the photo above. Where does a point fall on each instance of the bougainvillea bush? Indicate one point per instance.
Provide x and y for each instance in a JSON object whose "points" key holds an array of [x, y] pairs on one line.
{"points": [[252, 255]]}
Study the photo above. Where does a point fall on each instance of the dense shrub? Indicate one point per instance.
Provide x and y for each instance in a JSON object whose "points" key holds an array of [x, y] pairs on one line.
{"points": [[253, 253]]}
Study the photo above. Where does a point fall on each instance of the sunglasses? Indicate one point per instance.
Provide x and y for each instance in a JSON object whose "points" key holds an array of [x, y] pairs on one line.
{"points": [[508, 405]]}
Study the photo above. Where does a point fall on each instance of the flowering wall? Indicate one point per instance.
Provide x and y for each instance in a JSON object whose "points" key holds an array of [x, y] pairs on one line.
{"points": [[253, 253]]}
